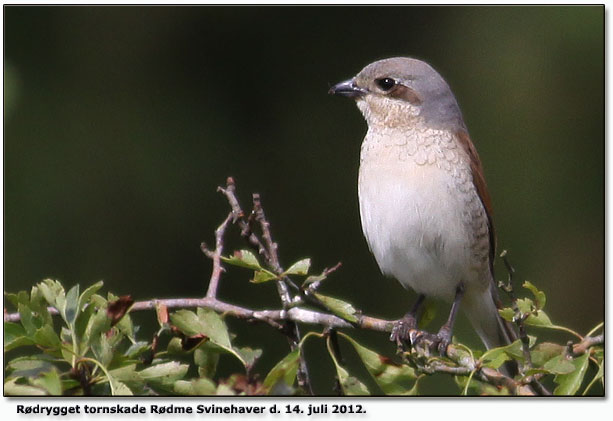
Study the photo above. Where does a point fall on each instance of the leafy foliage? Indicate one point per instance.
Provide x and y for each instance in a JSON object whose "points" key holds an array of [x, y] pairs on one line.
{"points": [[92, 348]]}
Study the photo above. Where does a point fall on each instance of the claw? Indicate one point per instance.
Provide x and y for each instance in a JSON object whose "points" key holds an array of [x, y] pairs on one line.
{"points": [[443, 339], [401, 332]]}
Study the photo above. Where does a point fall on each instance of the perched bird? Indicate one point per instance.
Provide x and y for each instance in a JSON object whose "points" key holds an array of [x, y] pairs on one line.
{"points": [[424, 205]]}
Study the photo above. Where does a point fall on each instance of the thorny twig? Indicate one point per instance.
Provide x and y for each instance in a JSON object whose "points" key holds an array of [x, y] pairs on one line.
{"points": [[519, 320], [215, 256], [268, 249]]}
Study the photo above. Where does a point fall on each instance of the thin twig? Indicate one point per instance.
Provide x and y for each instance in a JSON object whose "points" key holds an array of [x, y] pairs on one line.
{"points": [[268, 249], [239, 217], [463, 366], [587, 342], [215, 256], [294, 335], [273, 316], [518, 318]]}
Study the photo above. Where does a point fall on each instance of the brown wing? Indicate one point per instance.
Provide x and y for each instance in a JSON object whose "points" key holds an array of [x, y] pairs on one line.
{"points": [[481, 186], [506, 329]]}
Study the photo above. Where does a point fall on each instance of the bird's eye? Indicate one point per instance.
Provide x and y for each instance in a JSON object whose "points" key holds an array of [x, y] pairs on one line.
{"points": [[385, 83]]}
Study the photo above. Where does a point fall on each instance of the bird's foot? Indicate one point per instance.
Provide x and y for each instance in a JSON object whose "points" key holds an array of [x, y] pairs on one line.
{"points": [[406, 335], [403, 331], [443, 340]]}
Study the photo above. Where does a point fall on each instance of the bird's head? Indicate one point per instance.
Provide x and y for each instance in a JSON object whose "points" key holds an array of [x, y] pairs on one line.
{"points": [[400, 91]]}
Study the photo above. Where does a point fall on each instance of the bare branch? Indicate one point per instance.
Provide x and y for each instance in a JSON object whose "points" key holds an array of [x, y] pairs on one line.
{"points": [[461, 364], [271, 317], [586, 344], [239, 217], [268, 249], [519, 318], [215, 256]]}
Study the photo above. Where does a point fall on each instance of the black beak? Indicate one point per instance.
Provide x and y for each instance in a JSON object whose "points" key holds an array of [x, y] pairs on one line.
{"points": [[347, 88]]}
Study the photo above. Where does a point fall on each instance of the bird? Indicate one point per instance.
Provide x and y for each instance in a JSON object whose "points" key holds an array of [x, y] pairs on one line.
{"points": [[425, 209]]}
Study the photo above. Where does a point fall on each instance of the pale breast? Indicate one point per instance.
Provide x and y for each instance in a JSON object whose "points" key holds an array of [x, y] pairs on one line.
{"points": [[420, 212]]}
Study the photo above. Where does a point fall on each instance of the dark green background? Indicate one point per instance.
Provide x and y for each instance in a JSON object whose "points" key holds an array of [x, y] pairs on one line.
{"points": [[121, 121]]}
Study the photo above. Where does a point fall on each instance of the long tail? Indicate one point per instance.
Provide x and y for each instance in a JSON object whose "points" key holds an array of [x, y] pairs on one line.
{"points": [[482, 311]]}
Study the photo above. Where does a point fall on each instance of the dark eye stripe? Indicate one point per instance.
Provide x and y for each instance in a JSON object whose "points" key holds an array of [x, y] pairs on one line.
{"points": [[405, 93]]}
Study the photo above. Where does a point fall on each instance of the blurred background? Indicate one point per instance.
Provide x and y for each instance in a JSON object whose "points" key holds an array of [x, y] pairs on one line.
{"points": [[120, 122]]}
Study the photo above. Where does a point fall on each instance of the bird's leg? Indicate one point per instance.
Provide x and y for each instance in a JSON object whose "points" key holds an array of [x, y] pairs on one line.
{"points": [[444, 333], [403, 327]]}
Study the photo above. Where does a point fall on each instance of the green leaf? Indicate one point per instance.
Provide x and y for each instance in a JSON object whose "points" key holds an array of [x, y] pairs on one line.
{"points": [[38, 303], [544, 352], [495, 357], [47, 338], [136, 349], [20, 298], [97, 324], [392, 378], [301, 267], [243, 258], [120, 389], [13, 331], [599, 375], [249, 355], [212, 326], [99, 301], [68, 384], [507, 314], [164, 375], [313, 278], [126, 327], [175, 347], [224, 390], [26, 317], [338, 307], [12, 388], [513, 350], [54, 293], [559, 365], [46, 289], [535, 318], [71, 310], [50, 382], [81, 323], [102, 350], [281, 378], [533, 371], [15, 336], [539, 296], [350, 385], [206, 323], [206, 358], [127, 374], [197, 387], [30, 366], [88, 293], [540, 319], [261, 276], [525, 305], [568, 384]]}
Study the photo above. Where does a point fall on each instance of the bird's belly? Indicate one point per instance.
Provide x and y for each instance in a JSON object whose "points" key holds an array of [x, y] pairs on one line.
{"points": [[417, 223]]}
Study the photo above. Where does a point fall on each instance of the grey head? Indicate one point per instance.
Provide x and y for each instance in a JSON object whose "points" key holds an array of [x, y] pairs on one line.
{"points": [[399, 90]]}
